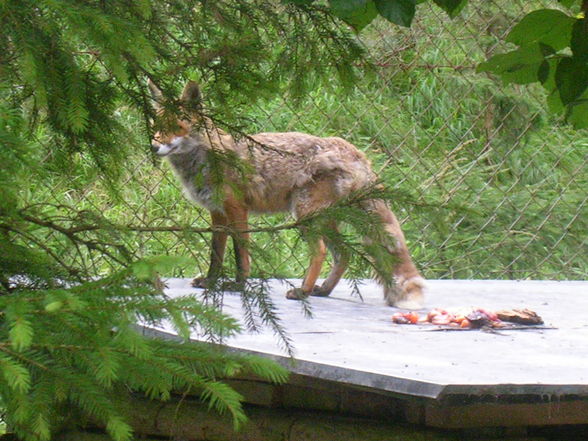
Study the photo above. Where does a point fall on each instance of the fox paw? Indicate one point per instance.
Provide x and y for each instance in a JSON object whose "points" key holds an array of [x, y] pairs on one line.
{"points": [[232, 285], [296, 294], [159, 284], [200, 282], [319, 291], [218, 284]]}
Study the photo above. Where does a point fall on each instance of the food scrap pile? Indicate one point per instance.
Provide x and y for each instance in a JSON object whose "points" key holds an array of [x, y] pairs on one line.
{"points": [[470, 318]]}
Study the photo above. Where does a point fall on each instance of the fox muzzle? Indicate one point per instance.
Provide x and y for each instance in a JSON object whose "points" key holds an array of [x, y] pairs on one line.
{"points": [[161, 149]]}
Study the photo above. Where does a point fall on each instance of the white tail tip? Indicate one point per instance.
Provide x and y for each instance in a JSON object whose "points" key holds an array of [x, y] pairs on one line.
{"points": [[407, 293]]}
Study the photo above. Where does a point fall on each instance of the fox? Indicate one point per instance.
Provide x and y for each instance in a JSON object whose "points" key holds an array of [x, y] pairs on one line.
{"points": [[289, 172]]}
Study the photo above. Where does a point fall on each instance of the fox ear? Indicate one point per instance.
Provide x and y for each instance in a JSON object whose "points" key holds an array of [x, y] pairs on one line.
{"points": [[191, 96], [156, 94]]}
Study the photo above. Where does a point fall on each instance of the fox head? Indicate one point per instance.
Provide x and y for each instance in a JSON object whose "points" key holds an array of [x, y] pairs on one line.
{"points": [[174, 131]]}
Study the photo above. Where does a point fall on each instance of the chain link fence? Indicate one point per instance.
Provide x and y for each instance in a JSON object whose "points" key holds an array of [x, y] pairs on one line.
{"points": [[488, 184]]}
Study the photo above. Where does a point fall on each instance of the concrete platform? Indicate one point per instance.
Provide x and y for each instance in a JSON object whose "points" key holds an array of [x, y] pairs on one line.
{"points": [[353, 342]]}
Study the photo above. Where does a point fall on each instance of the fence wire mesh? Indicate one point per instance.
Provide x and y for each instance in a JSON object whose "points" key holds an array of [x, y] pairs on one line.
{"points": [[488, 184]]}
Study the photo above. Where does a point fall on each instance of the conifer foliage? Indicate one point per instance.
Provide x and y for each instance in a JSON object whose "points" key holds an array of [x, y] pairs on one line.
{"points": [[70, 348], [71, 73]]}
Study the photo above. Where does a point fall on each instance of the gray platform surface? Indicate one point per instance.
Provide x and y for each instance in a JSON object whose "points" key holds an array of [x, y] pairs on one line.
{"points": [[355, 342]]}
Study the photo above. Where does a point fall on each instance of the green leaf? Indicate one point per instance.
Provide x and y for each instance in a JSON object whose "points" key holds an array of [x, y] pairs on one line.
{"points": [[400, 12], [267, 369], [106, 363], [452, 7], [144, 8], [118, 429], [554, 103], [571, 78], [21, 333], [579, 42], [181, 326], [522, 66], [15, 374], [54, 306], [547, 26], [223, 398], [543, 73], [578, 112], [41, 427], [20, 328], [563, 73], [129, 340], [568, 3], [357, 13], [553, 100]]}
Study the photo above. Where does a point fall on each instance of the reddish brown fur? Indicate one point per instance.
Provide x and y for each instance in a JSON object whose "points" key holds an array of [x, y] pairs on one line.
{"points": [[293, 172]]}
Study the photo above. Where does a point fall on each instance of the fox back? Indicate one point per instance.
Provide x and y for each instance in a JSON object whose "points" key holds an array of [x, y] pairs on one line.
{"points": [[264, 170]]}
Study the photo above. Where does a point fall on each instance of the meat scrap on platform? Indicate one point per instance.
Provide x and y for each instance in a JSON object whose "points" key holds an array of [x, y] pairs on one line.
{"points": [[470, 318]]}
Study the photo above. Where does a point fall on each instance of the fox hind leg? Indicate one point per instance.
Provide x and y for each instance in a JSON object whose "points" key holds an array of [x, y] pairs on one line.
{"points": [[307, 201], [340, 262], [319, 252]]}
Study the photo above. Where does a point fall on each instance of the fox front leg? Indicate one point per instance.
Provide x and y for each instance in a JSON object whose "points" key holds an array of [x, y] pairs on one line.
{"points": [[217, 251], [238, 222]]}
